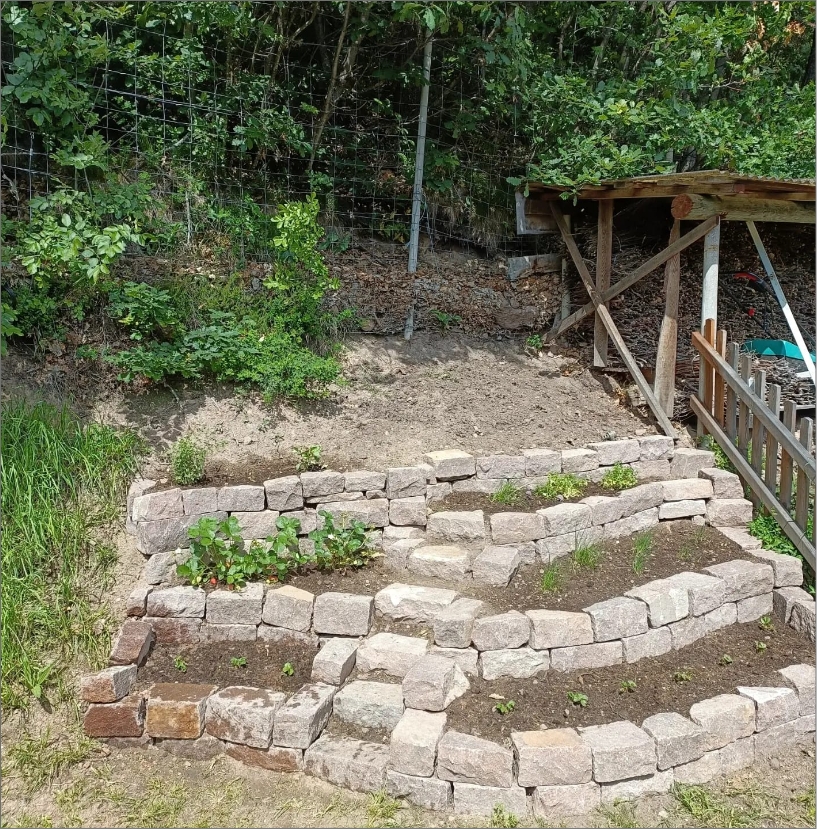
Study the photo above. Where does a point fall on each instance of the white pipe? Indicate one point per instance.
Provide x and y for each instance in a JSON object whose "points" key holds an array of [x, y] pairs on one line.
{"points": [[781, 298]]}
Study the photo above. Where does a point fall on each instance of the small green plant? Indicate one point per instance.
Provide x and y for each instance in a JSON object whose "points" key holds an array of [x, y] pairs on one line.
{"points": [[445, 320], [682, 675], [642, 546], [509, 493], [145, 310], [765, 623], [381, 810], [503, 819], [561, 484], [760, 647], [505, 707], [180, 665], [552, 578], [577, 698], [535, 342], [309, 458], [288, 670], [587, 556], [725, 660], [187, 460], [619, 477], [341, 546], [627, 686], [238, 662]]}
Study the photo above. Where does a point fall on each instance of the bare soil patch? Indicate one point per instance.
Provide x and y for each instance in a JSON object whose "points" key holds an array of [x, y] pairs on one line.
{"points": [[527, 502], [210, 664], [543, 702]]}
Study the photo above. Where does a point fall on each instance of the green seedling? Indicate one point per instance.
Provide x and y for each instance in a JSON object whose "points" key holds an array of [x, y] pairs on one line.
{"points": [[760, 647], [180, 665], [238, 662], [765, 623], [684, 675], [587, 556], [577, 698], [309, 458], [535, 342], [725, 660], [619, 477], [503, 819], [509, 493], [627, 686], [505, 707], [288, 670]]}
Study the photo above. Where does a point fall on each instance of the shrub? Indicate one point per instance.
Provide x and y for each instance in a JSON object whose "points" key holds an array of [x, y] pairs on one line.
{"points": [[619, 477], [187, 460], [147, 311], [561, 484]]}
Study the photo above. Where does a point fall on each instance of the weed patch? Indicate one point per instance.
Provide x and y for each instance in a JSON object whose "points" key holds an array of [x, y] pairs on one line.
{"points": [[509, 493], [561, 484], [619, 477]]}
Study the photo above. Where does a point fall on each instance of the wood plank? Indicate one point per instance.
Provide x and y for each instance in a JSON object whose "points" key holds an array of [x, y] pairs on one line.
{"points": [[604, 266], [770, 475], [742, 208], [706, 375], [639, 273], [720, 346], [756, 484], [709, 290], [786, 464], [743, 419], [758, 431], [665, 359], [803, 484], [604, 314], [731, 424], [762, 413]]}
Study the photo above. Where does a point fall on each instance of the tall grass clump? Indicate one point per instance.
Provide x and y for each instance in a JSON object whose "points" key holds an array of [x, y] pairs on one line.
{"points": [[61, 481]]}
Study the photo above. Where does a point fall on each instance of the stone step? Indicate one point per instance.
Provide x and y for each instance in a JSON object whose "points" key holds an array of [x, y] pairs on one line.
{"points": [[446, 562]]}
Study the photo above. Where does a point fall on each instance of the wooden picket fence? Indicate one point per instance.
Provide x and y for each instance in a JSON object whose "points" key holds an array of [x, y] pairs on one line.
{"points": [[741, 412]]}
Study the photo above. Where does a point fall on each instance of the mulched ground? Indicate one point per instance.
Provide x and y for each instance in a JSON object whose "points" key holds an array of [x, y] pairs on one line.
{"points": [[210, 664], [462, 501], [544, 703]]}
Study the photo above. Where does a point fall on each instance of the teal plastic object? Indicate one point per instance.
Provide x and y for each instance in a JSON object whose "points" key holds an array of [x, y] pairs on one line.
{"points": [[775, 348]]}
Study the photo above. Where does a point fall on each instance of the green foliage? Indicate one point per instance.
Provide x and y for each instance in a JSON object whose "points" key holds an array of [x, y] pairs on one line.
{"points": [[760, 647], [60, 481], [725, 660], [627, 686], [180, 665], [552, 578], [561, 484], [642, 547], [682, 675], [187, 460], [505, 707], [577, 698], [765, 527], [147, 311], [214, 545], [444, 319], [619, 477], [587, 556], [765, 623], [341, 546], [309, 458], [287, 669], [509, 493], [7, 326], [502, 818], [238, 662], [535, 342]]}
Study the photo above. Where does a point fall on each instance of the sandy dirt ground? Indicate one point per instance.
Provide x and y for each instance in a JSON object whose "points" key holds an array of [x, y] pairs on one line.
{"points": [[401, 399]]}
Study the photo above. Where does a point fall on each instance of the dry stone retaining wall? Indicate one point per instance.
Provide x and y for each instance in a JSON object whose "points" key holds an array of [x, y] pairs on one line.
{"points": [[547, 773]]}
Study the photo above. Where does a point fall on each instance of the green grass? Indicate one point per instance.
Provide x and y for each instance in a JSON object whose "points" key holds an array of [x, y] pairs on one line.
{"points": [[502, 819], [619, 477], [561, 484], [642, 547], [509, 493], [552, 578], [61, 482], [587, 556], [37, 760], [381, 810]]}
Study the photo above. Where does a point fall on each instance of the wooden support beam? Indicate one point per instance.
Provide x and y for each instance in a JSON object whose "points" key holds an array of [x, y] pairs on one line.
{"points": [[604, 267], [709, 291], [604, 315], [742, 208], [668, 338], [639, 273]]}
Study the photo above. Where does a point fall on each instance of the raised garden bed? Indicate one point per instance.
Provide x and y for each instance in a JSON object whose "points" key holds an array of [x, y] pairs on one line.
{"points": [[418, 648]]}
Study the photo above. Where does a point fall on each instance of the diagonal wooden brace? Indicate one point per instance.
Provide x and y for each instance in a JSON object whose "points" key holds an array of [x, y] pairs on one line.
{"points": [[639, 273], [603, 314]]}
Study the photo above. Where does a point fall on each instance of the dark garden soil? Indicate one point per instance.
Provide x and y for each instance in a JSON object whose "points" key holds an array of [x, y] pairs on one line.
{"points": [[543, 702], [527, 502], [210, 665]]}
